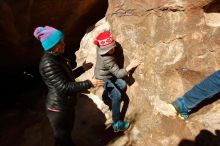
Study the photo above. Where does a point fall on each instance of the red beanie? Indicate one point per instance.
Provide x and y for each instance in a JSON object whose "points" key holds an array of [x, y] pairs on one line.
{"points": [[105, 42]]}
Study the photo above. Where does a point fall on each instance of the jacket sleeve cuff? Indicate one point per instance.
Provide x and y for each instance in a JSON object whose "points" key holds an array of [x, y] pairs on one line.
{"points": [[89, 83], [78, 71]]}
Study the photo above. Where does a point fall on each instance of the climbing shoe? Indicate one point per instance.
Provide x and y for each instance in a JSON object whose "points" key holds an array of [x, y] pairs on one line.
{"points": [[180, 109], [120, 126]]}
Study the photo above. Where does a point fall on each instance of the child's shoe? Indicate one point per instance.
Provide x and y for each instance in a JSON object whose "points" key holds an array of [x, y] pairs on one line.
{"points": [[180, 109], [120, 126]]}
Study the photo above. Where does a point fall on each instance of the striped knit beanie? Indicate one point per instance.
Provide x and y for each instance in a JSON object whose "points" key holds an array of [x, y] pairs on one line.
{"points": [[105, 42], [48, 36]]}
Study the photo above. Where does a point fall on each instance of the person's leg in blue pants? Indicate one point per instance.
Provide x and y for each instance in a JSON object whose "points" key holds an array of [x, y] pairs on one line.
{"points": [[113, 89], [115, 96], [121, 84], [204, 90]]}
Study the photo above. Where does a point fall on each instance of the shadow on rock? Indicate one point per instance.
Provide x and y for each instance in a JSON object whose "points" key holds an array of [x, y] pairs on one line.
{"points": [[205, 103], [204, 138], [119, 55], [213, 7], [25, 124], [89, 127], [125, 99], [30, 127]]}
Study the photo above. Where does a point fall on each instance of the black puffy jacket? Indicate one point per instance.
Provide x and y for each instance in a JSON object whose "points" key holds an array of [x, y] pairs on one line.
{"points": [[57, 74]]}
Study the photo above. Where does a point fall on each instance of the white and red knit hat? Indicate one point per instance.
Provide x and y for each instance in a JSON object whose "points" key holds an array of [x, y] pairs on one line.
{"points": [[105, 42]]}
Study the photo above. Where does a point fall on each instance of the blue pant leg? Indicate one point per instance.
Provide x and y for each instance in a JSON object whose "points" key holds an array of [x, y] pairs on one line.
{"points": [[205, 89], [121, 84], [115, 96]]}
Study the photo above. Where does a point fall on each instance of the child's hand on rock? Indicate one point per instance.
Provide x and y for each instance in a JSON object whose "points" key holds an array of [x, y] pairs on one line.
{"points": [[134, 63]]}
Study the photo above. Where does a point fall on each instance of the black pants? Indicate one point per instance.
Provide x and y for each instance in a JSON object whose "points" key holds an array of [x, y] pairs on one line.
{"points": [[62, 125]]}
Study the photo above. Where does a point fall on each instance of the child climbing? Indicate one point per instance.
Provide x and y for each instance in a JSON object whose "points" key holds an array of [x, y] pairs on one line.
{"points": [[108, 70]]}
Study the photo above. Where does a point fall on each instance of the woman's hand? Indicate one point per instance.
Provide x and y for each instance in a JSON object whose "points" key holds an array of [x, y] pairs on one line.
{"points": [[87, 66]]}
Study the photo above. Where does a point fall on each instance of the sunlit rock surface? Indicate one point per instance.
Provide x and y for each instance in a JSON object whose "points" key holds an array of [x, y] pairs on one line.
{"points": [[178, 43]]}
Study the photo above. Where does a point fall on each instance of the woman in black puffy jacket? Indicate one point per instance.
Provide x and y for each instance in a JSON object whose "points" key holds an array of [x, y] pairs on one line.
{"points": [[59, 77]]}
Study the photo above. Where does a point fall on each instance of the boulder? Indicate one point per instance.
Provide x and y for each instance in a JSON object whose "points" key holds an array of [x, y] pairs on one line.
{"points": [[178, 44]]}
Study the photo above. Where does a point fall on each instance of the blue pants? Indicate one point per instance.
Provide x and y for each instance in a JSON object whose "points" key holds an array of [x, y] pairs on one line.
{"points": [[114, 88], [204, 90]]}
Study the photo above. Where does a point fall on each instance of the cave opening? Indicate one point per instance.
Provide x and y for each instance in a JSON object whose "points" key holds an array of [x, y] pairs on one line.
{"points": [[213, 7], [212, 14], [23, 92], [21, 52]]}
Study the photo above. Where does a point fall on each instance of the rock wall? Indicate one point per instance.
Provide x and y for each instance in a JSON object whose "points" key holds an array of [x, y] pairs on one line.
{"points": [[178, 43]]}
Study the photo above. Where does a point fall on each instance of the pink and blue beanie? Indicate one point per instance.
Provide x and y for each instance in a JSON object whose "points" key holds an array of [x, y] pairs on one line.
{"points": [[48, 36]]}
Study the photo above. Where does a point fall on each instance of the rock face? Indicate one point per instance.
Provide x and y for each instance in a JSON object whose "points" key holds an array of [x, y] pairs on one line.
{"points": [[178, 43]]}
